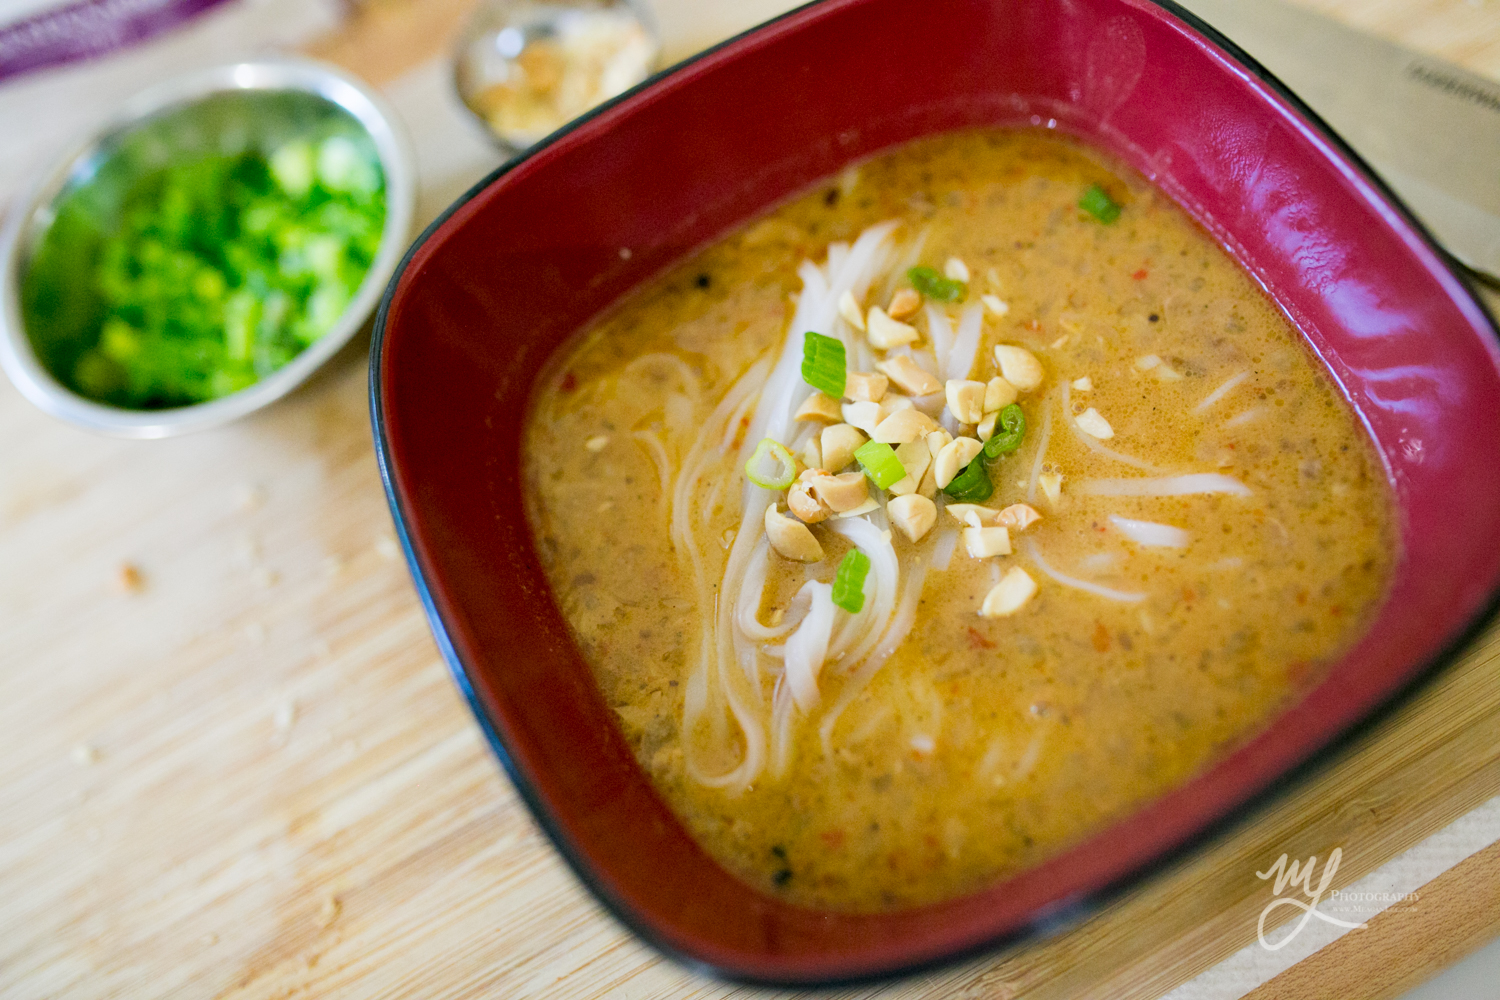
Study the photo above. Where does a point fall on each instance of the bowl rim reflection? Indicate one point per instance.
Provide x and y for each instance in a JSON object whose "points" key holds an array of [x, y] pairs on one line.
{"points": [[648, 924], [25, 225]]}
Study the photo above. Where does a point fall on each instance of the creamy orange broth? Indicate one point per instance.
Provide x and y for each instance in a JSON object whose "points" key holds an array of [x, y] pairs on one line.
{"points": [[983, 745]]}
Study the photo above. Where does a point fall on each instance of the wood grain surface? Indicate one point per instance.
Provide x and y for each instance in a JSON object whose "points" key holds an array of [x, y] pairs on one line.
{"points": [[232, 763]]}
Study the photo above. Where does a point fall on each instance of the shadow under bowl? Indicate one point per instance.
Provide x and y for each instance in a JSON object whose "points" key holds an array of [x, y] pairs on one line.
{"points": [[549, 241]]}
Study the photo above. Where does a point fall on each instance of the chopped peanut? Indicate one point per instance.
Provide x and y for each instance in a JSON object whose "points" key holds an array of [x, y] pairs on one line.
{"points": [[811, 455], [894, 401], [807, 507], [597, 443], [839, 443], [791, 539], [953, 458], [937, 441], [842, 492], [823, 409], [1019, 516], [1146, 362], [864, 415], [981, 543], [974, 515], [955, 270], [886, 333], [1051, 484], [914, 515], [915, 459], [928, 486], [986, 428], [849, 309], [1019, 366], [904, 425], [870, 504], [864, 387], [966, 400], [1084, 384], [995, 304], [1008, 596], [1094, 425], [908, 376], [904, 303], [998, 394]]}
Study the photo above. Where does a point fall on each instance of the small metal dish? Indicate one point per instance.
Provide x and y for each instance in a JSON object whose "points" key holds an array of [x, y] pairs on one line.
{"points": [[525, 68], [244, 103]]}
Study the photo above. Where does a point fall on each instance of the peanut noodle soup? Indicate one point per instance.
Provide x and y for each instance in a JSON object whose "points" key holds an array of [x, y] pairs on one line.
{"points": [[1070, 513]]}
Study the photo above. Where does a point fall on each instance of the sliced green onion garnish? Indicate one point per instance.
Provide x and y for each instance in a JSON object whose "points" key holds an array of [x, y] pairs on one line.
{"points": [[823, 365], [1099, 204], [972, 485], [849, 583], [935, 286], [880, 463], [1010, 428], [769, 451]]}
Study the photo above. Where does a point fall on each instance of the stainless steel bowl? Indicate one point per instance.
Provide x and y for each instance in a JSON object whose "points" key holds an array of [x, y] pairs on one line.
{"points": [[260, 101]]}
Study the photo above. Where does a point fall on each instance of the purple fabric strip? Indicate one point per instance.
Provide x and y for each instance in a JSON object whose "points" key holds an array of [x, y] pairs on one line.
{"points": [[89, 28]]}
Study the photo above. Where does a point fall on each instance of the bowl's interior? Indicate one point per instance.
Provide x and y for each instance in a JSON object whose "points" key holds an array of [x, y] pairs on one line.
{"points": [[498, 285]]}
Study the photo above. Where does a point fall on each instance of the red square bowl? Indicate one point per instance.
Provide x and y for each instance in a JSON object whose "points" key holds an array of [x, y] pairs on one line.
{"points": [[530, 255]]}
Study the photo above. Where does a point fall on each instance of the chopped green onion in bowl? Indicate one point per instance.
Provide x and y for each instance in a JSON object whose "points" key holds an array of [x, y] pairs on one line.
{"points": [[972, 484], [771, 466], [1010, 430], [880, 463], [187, 281], [824, 366], [1097, 202], [935, 286], [849, 582]]}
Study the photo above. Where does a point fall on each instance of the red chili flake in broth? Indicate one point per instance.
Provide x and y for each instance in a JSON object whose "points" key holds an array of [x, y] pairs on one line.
{"points": [[739, 435], [833, 838], [1140, 275], [977, 641], [1101, 637], [569, 382]]}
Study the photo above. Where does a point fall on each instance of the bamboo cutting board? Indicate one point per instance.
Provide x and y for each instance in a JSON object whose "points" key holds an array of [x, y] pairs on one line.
{"points": [[232, 763]]}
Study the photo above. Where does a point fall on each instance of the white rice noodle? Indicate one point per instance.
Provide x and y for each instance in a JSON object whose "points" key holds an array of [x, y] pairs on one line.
{"points": [[1098, 590], [966, 343], [807, 647], [910, 254], [1099, 562], [714, 695], [1092, 443], [752, 591], [1167, 486], [687, 378], [860, 632], [658, 453], [729, 677], [1150, 533], [1041, 454], [901, 622], [1223, 390], [783, 714], [1240, 419], [943, 547], [940, 332]]}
